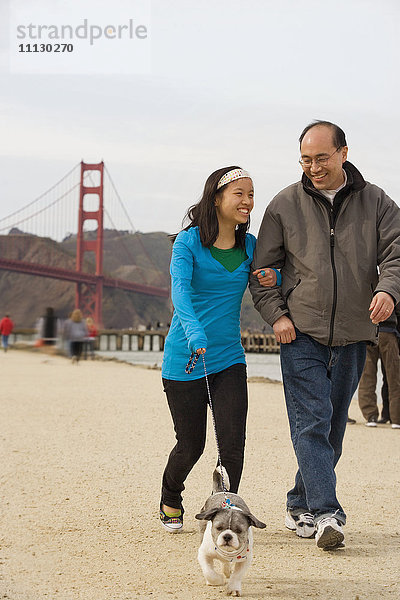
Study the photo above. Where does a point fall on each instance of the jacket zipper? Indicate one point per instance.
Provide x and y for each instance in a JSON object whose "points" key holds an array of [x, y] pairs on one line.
{"points": [[334, 303], [332, 222], [290, 290]]}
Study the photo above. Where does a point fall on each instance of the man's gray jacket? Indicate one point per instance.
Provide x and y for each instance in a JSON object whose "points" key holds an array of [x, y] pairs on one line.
{"points": [[328, 256]]}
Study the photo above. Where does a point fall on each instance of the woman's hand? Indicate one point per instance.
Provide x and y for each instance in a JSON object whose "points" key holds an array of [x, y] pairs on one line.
{"points": [[266, 277], [201, 351]]}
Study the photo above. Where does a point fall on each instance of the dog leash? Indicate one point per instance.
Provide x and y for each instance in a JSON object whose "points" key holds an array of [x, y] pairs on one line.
{"points": [[189, 368]]}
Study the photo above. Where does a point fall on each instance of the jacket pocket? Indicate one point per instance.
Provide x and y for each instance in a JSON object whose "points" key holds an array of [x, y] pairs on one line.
{"points": [[290, 290]]}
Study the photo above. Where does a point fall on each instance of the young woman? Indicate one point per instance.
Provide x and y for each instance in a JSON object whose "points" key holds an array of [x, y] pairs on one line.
{"points": [[210, 268]]}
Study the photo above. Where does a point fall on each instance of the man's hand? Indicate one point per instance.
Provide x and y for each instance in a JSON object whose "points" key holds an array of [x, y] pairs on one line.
{"points": [[284, 330], [266, 277], [381, 307]]}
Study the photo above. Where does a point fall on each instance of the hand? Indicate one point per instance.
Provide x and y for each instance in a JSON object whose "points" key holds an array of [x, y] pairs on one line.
{"points": [[381, 307], [284, 330], [266, 277], [201, 351]]}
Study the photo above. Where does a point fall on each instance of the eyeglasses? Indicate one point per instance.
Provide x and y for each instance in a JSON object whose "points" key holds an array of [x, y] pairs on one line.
{"points": [[321, 161]]}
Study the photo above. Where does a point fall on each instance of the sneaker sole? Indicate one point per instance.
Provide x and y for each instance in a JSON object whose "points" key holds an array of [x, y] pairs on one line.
{"points": [[289, 523], [170, 529], [330, 538], [303, 532], [372, 424]]}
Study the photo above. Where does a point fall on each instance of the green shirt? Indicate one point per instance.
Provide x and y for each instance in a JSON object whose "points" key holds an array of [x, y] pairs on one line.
{"points": [[231, 258]]}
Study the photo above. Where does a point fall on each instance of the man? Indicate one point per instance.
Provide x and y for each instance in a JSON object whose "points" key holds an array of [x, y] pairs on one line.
{"points": [[327, 233], [6, 327], [388, 351]]}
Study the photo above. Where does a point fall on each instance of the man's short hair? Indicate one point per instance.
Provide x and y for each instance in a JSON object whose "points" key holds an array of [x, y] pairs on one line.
{"points": [[339, 137]]}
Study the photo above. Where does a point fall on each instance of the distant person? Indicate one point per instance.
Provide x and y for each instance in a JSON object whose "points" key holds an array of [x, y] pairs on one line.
{"points": [[91, 339], [388, 351], [75, 331], [6, 327], [210, 268], [48, 327], [66, 343], [328, 233]]}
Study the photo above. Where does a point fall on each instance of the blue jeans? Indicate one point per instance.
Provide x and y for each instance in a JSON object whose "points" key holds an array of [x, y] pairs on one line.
{"points": [[319, 382], [4, 341]]}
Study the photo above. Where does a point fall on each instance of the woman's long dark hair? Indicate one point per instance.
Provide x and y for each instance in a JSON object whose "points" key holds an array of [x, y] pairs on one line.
{"points": [[204, 215]]}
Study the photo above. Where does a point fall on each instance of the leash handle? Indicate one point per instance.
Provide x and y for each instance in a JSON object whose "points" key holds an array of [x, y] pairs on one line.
{"points": [[215, 427], [194, 357]]}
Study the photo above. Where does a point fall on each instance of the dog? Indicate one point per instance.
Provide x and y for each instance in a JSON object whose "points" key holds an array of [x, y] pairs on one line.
{"points": [[226, 530]]}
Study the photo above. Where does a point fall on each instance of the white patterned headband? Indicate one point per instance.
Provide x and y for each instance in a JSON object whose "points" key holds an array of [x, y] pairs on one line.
{"points": [[231, 176]]}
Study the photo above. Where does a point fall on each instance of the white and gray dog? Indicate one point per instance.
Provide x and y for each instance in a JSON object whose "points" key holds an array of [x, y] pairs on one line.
{"points": [[226, 523]]}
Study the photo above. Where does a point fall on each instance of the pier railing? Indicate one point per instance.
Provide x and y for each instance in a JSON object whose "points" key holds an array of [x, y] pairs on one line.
{"points": [[264, 343], [131, 339], [128, 340]]}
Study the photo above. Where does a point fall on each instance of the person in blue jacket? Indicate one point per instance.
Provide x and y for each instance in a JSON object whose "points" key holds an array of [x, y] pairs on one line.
{"points": [[210, 268]]}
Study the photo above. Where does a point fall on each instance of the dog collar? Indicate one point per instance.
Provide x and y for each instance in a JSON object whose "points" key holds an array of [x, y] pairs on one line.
{"points": [[240, 556], [227, 503]]}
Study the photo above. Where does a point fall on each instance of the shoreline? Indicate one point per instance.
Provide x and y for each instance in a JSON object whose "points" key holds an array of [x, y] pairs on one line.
{"points": [[20, 346]]}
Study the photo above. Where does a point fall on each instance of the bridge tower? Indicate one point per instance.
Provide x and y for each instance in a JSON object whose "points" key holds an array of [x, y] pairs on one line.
{"points": [[89, 297]]}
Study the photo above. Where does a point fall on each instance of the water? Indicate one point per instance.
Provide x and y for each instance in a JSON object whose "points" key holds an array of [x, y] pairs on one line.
{"points": [[258, 365]]}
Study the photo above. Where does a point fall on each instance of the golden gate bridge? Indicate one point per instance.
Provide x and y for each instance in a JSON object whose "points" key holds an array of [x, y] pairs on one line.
{"points": [[53, 215]]}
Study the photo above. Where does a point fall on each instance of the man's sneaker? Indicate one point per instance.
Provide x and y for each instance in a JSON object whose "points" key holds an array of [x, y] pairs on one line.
{"points": [[395, 426], [372, 422], [329, 534], [171, 524], [302, 524]]}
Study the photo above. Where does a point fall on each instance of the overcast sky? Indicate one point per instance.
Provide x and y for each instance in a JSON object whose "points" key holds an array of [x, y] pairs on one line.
{"points": [[229, 83]]}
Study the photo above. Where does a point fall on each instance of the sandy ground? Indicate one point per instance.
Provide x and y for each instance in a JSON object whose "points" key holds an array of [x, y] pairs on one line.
{"points": [[82, 453]]}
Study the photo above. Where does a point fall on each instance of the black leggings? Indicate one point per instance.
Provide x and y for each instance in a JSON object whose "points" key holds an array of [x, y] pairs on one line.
{"points": [[76, 349], [187, 402]]}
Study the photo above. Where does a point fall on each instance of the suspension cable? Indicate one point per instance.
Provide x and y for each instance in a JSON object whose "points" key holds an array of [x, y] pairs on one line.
{"points": [[41, 195], [120, 200], [130, 222], [38, 212]]}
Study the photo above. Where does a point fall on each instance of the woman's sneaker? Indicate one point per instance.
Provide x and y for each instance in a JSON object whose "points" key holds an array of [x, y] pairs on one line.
{"points": [[173, 524], [329, 534], [302, 524]]}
